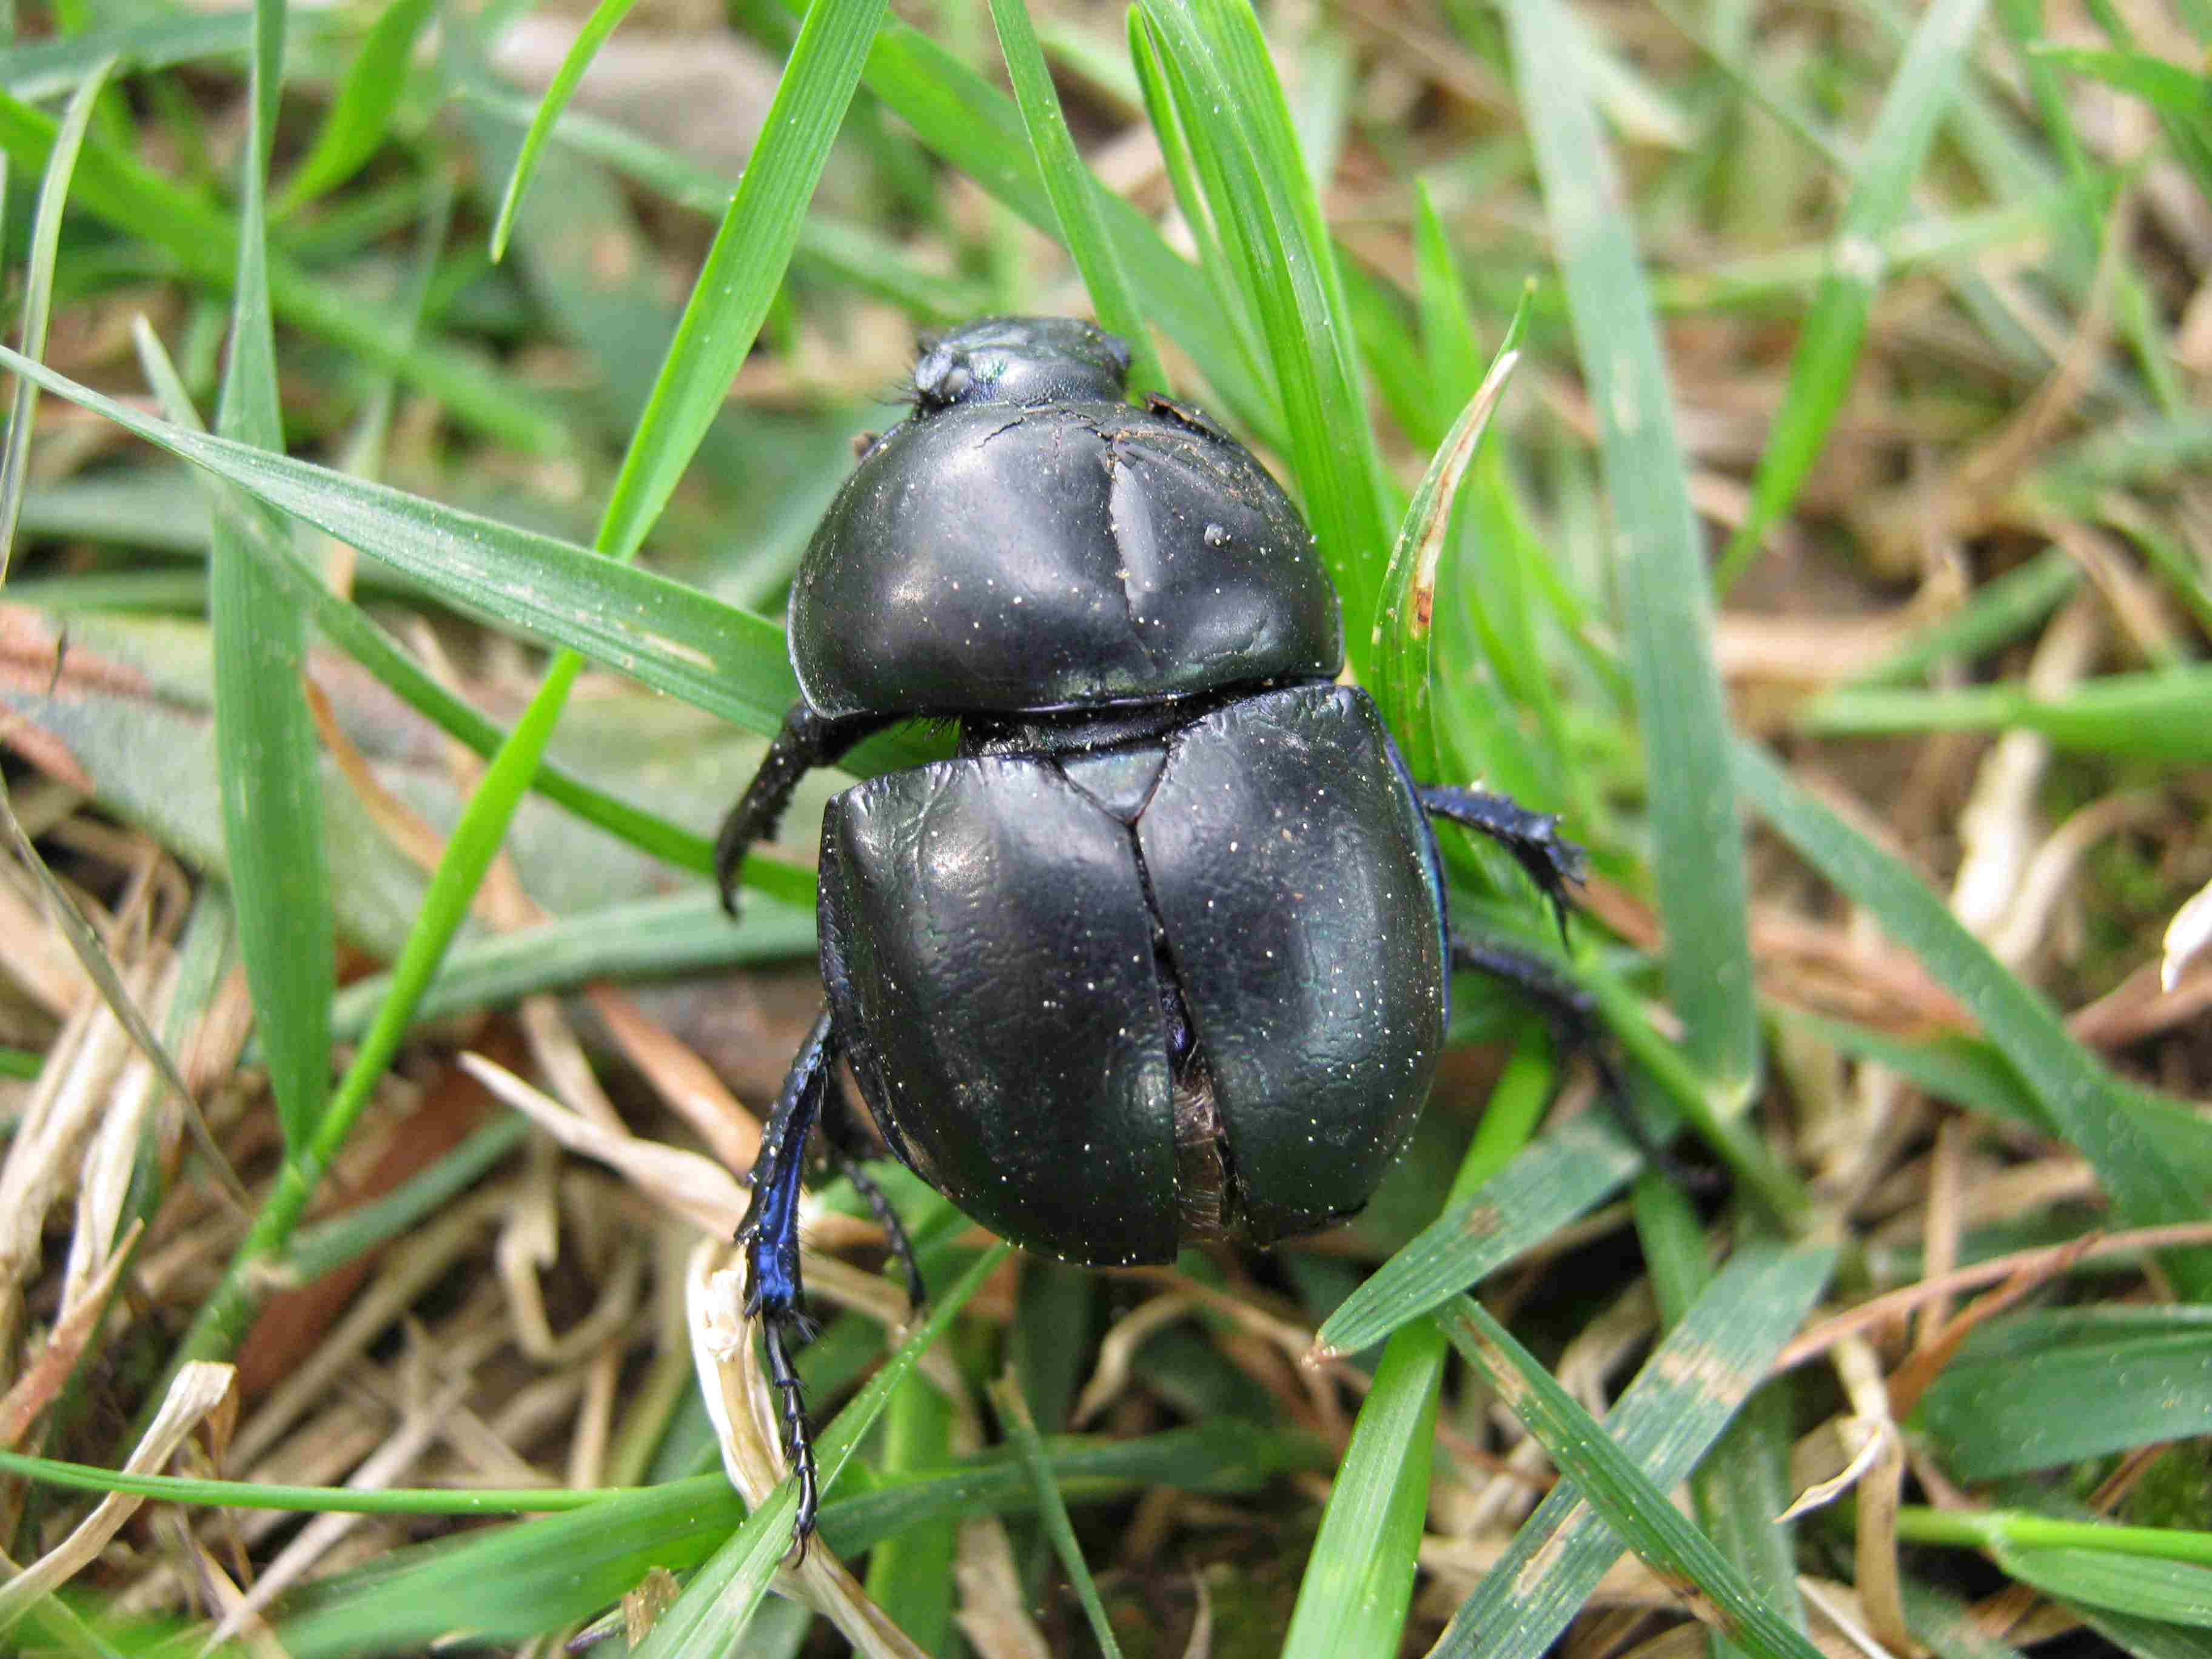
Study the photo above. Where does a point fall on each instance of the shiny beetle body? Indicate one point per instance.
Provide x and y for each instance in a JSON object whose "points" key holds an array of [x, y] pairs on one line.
{"points": [[1162, 953]]}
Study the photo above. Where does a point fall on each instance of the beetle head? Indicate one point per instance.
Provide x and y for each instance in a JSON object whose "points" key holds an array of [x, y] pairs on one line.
{"points": [[1021, 360]]}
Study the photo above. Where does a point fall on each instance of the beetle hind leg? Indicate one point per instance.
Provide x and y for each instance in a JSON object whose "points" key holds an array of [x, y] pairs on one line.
{"points": [[1572, 1015], [1552, 861], [775, 1294], [841, 1127]]}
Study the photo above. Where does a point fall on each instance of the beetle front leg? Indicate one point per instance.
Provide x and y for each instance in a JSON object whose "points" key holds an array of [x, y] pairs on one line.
{"points": [[807, 740], [775, 1294], [1533, 838]]}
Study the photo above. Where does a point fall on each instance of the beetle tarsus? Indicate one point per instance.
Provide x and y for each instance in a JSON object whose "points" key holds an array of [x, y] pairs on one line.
{"points": [[807, 740], [1554, 862], [798, 1437]]}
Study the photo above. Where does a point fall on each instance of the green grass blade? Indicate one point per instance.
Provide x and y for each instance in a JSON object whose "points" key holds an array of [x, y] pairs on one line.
{"points": [[849, 250], [1999, 612], [745, 266], [265, 745], [2049, 1389], [722, 1598], [1075, 194], [2155, 717], [1359, 1579], [2087, 1105], [1664, 1422], [910, 1574], [605, 17], [977, 129], [683, 933], [1448, 337], [1190, 200], [1052, 1509], [1828, 347], [2172, 1592], [362, 113], [1560, 1176], [668, 637], [2173, 89], [1609, 1480], [1402, 646], [35, 70], [518, 1581], [117, 188], [39, 293], [1697, 851], [1269, 219]]}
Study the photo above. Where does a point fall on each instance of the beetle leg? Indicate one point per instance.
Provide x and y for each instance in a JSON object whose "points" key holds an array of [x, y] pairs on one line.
{"points": [[1533, 838], [807, 740], [841, 1127], [1572, 1016], [775, 1294]]}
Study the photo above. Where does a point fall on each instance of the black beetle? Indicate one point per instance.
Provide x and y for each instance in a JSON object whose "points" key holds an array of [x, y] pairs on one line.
{"points": [[1162, 954]]}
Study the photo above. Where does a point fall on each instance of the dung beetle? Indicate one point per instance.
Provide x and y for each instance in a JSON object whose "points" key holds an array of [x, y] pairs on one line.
{"points": [[1161, 954]]}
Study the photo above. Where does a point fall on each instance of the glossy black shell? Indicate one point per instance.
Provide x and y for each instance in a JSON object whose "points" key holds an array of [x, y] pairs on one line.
{"points": [[1010, 942], [997, 555]]}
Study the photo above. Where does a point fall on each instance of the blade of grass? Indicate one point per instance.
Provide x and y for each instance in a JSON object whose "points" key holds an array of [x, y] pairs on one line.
{"points": [[1074, 195], [2044, 1389], [1052, 1509], [116, 187], [2084, 1101], [1190, 201], [1401, 648], [353, 631], [1454, 361], [682, 934], [744, 267], [2156, 716], [1999, 612], [605, 18], [591, 1547], [668, 637], [720, 1600], [1605, 1476], [728, 302], [851, 251], [1698, 850], [91, 952], [1270, 221], [39, 293], [910, 1574], [1358, 1580], [2171, 1592], [1557, 1177], [1682, 1397], [1828, 346], [360, 116], [265, 748], [977, 129], [35, 70]]}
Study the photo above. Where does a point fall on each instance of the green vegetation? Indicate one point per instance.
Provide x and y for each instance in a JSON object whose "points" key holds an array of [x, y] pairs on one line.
{"points": [[1777, 439]]}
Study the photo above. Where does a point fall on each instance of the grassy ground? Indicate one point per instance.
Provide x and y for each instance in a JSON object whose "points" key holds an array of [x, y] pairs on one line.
{"points": [[1830, 542]]}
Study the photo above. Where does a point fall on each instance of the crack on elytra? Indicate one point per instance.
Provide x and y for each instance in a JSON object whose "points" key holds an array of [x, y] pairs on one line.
{"points": [[1208, 1194]]}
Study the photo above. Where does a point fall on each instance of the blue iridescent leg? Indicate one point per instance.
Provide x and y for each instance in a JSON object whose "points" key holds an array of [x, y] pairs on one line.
{"points": [[1533, 838], [770, 1234]]}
